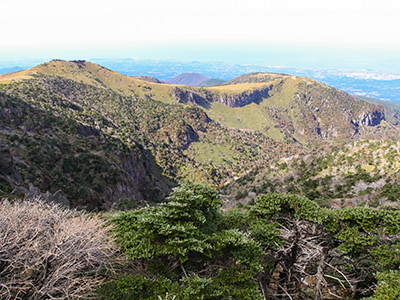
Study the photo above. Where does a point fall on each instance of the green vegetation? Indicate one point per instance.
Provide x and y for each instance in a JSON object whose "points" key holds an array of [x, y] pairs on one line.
{"points": [[365, 172], [58, 152], [110, 141], [278, 247], [388, 286], [99, 129], [188, 248], [5, 187]]}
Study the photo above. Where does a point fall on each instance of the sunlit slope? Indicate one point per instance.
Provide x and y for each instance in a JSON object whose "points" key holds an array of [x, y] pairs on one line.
{"points": [[256, 116], [294, 108], [283, 107], [95, 75], [184, 142]]}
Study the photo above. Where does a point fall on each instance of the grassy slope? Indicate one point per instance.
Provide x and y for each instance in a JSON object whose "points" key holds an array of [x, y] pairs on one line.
{"points": [[281, 116], [94, 93], [236, 88], [255, 116], [95, 75]]}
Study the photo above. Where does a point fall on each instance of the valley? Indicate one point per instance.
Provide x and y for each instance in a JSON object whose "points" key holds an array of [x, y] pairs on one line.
{"points": [[176, 133], [267, 186]]}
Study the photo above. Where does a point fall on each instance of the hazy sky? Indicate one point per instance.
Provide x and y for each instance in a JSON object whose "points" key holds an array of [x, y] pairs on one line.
{"points": [[113, 28]]}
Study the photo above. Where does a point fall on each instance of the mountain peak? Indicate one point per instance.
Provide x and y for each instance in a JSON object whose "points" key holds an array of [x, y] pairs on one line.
{"points": [[55, 67], [192, 79]]}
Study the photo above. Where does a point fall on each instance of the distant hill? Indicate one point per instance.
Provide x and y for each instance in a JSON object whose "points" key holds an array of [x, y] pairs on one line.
{"points": [[192, 79], [212, 82]]}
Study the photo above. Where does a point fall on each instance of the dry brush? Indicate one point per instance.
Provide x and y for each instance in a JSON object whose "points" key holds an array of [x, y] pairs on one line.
{"points": [[49, 252]]}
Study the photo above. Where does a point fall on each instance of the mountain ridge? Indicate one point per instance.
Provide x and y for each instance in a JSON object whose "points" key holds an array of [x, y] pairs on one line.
{"points": [[200, 134], [243, 90]]}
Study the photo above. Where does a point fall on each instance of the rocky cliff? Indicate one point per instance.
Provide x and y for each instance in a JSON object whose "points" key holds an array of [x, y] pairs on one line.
{"points": [[334, 113], [205, 97], [300, 109], [372, 117]]}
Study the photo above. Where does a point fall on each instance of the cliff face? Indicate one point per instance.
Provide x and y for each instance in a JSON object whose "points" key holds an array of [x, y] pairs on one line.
{"points": [[300, 109], [204, 97], [140, 183], [372, 117], [242, 99], [187, 95], [333, 113], [351, 124]]}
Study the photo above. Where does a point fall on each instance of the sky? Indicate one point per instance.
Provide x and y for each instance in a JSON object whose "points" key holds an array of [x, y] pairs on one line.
{"points": [[361, 32]]}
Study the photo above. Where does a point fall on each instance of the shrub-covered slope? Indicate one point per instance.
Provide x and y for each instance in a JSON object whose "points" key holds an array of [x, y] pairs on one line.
{"points": [[286, 108], [54, 150], [365, 172], [101, 148], [155, 134]]}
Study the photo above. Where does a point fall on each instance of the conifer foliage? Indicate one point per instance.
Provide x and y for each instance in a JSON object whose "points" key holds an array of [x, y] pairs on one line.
{"points": [[188, 249], [279, 247]]}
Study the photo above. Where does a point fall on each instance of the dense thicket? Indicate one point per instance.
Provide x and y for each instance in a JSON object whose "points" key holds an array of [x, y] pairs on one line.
{"points": [[280, 247], [47, 252]]}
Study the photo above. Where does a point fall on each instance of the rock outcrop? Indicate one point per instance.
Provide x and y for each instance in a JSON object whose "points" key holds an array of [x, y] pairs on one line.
{"points": [[242, 99], [185, 95], [204, 98], [186, 136], [372, 117]]}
